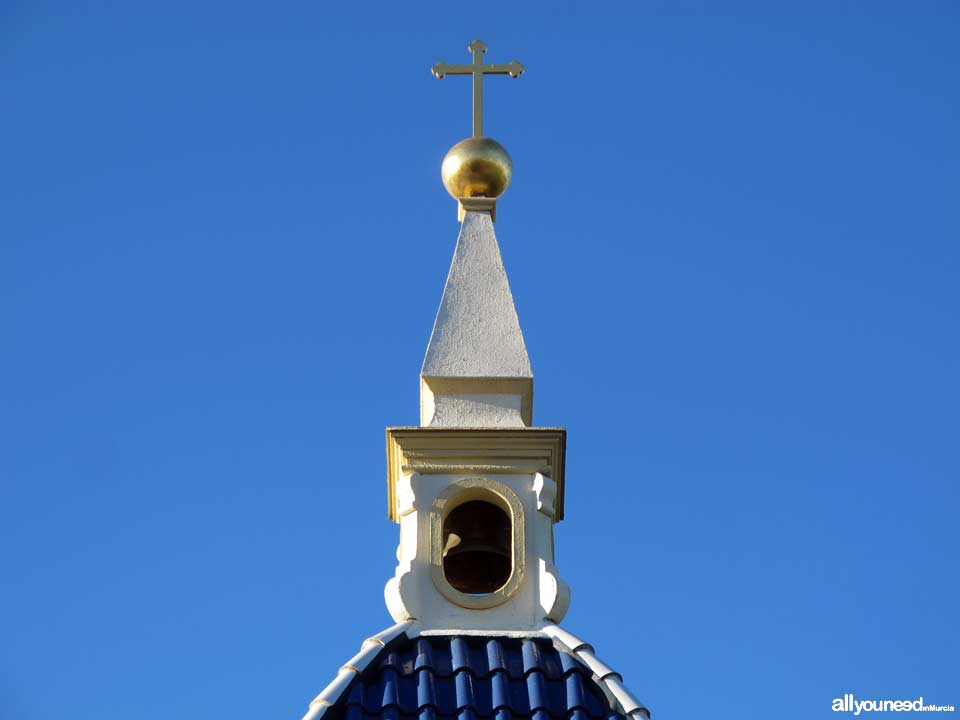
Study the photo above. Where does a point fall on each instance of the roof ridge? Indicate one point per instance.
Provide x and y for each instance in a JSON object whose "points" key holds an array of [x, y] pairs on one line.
{"points": [[610, 680], [369, 649]]}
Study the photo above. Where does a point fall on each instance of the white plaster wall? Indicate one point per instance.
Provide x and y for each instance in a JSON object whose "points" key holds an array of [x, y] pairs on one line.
{"points": [[411, 594]]}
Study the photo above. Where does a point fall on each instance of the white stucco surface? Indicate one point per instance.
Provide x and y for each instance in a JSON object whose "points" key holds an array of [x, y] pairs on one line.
{"points": [[477, 333], [540, 598], [477, 410]]}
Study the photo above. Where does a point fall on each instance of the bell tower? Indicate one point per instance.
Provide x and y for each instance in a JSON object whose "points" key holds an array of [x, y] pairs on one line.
{"points": [[476, 488]]}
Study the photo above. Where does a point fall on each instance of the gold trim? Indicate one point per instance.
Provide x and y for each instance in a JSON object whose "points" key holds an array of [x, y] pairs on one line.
{"points": [[490, 451], [455, 495], [477, 69], [478, 204]]}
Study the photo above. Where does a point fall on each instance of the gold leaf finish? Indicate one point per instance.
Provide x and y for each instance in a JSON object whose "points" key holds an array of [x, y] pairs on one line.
{"points": [[477, 167]]}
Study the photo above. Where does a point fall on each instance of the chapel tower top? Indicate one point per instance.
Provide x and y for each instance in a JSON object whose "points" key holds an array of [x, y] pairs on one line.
{"points": [[476, 490]]}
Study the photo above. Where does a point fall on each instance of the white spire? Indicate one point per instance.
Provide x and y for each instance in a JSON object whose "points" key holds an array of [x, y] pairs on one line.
{"points": [[476, 372]]}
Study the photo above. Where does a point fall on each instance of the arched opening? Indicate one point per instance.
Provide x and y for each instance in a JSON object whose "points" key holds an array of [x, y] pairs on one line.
{"points": [[477, 552]]}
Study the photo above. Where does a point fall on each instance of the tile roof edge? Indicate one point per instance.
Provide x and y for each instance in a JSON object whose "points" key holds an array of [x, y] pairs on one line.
{"points": [[610, 681], [468, 632], [369, 649]]}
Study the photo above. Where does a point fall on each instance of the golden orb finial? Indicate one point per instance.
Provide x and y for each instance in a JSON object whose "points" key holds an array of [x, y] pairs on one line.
{"points": [[477, 170], [477, 167]]}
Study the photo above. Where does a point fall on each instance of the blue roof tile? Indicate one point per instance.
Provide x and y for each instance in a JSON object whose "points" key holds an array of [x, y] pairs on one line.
{"points": [[537, 691], [424, 655], [575, 692], [389, 694], [473, 678], [531, 656], [540, 715], [568, 663], [459, 654], [426, 688], [495, 656], [499, 690], [463, 682]]}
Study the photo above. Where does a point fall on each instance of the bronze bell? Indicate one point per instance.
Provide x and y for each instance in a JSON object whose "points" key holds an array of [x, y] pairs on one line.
{"points": [[477, 548]]}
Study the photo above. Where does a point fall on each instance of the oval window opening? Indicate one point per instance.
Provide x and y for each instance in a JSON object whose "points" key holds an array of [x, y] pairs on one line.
{"points": [[477, 548]]}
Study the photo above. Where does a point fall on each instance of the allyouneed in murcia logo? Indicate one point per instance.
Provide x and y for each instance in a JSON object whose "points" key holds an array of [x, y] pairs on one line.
{"points": [[848, 703]]}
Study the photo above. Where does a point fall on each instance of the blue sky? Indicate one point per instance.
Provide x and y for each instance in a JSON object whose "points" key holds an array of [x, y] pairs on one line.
{"points": [[732, 239]]}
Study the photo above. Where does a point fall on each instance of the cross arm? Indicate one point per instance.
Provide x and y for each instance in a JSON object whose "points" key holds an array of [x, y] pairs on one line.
{"points": [[513, 69]]}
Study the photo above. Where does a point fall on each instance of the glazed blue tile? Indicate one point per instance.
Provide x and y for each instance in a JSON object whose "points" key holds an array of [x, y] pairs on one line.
{"points": [[568, 662], [424, 654], [459, 654], [499, 690], [531, 656], [355, 697], [578, 714], [575, 692], [473, 678], [537, 691], [495, 653], [426, 688], [550, 662], [540, 715], [597, 705], [464, 684], [389, 693], [557, 697], [390, 659]]}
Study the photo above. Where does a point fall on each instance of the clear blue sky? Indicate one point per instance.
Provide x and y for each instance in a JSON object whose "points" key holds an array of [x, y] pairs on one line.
{"points": [[732, 238]]}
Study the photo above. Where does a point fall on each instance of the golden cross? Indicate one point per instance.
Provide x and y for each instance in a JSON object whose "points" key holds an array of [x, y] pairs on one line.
{"points": [[478, 69]]}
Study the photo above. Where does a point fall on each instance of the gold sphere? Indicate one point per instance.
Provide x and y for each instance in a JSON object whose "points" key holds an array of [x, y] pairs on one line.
{"points": [[477, 167]]}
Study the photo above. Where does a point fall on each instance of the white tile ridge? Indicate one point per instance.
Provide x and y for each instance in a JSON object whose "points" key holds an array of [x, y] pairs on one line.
{"points": [[370, 648], [608, 680], [473, 632], [625, 698], [600, 669], [569, 640]]}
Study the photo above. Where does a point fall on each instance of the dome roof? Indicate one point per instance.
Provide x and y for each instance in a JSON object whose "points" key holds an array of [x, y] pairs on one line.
{"points": [[401, 675]]}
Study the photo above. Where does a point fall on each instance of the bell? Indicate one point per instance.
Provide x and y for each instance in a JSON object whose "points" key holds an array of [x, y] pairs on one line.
{"points": [[477, 548]]}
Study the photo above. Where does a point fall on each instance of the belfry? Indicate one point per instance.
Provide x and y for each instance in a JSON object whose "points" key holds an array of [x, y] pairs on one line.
{"points": [[476, 489]]}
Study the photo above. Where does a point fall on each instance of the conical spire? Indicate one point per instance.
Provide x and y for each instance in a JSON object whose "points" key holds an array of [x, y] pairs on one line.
{"points": [[476, 372]]}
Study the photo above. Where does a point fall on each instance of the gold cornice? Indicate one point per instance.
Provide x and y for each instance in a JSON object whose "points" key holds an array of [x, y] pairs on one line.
{"points": [[491, 451]]}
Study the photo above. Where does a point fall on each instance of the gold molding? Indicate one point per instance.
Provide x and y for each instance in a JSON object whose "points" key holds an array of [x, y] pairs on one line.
{"points": [[454, 495], [478, 204], [485, 451]]}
